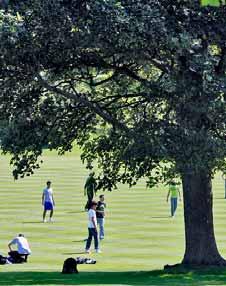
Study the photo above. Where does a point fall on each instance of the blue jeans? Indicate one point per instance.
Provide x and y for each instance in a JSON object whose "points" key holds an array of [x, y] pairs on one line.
{"points": [[92, 234], [173, 206], [100, 221]]}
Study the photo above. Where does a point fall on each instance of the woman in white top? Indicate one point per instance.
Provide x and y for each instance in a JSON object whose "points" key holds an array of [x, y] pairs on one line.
{"points": [[92, 228]]}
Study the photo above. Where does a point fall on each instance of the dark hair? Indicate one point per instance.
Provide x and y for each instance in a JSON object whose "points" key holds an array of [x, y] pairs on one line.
{"points": [[93, 203], [48, 182], [101, 196], [20, 234]]}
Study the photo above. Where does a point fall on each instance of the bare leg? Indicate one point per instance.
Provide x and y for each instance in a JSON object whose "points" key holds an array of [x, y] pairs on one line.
{"points": [[50, 215], [44, 215]]}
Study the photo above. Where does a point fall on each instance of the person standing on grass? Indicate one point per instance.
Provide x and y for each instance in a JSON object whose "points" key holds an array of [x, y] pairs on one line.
{"points": [[90, 189], [48, 201], [100, 212], [92, 228], [173, 194]]}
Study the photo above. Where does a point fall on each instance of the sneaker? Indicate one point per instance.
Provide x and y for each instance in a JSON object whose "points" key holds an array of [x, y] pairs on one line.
{"points": [[98, 251], [87, 251], [44, 220], [101, 238], [50, 219]]}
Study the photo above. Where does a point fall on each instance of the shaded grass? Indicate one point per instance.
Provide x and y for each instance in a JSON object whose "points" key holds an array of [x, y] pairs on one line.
{"points": [[114, 278]]}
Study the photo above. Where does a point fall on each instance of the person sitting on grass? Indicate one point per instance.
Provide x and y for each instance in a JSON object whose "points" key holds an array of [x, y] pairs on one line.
{"points": [[23, 249]]}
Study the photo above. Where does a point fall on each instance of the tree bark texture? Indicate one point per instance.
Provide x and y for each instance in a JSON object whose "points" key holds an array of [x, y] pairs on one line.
{"points": [[201, 248]]}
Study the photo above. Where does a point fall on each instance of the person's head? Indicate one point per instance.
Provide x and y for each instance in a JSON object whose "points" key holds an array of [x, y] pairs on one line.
{"points": [[93, 205], [48, 183], [101, 197], [21, 235], [91, 174]]}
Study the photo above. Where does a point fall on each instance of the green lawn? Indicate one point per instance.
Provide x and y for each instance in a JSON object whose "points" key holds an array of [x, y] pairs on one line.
{"points": [[140, 235], [210, 2]]}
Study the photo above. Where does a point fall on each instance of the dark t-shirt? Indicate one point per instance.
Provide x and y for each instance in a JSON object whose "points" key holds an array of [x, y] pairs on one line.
{"points": [[100, 207], [90, 185]]}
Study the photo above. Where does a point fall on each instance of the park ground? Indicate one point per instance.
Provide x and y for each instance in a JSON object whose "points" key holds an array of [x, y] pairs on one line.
{"points": [[140, 235]]}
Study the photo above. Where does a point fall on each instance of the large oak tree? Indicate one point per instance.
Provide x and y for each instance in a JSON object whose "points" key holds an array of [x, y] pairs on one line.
{"points": [[140, 85]]}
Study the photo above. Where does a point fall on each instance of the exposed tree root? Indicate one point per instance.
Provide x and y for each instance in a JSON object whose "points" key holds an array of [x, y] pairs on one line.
{"points": [[219, 264]]}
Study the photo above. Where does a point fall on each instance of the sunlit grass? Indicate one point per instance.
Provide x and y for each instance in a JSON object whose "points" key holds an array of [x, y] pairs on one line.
{"points": [[211, 2], [140, 235]]}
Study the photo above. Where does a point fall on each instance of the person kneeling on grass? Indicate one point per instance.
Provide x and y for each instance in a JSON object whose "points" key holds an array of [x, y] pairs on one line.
{"points": [[23, 249]]}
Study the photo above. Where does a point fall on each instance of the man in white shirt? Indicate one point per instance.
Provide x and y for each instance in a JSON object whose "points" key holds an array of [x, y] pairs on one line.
{"points": [[48, 201], [92, 228], [23, 249]]}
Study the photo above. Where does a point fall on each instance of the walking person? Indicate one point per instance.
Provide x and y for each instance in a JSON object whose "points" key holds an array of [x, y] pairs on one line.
{"points": [[92, 229], [100, 212], [23, 249], [48, 201], [90, 189], [173, 194]]}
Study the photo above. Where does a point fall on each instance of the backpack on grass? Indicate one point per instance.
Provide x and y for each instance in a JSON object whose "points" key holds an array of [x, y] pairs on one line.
{"points": [[70, 266]]}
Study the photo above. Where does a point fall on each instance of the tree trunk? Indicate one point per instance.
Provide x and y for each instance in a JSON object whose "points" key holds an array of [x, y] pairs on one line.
{"points": [[201, 248]]}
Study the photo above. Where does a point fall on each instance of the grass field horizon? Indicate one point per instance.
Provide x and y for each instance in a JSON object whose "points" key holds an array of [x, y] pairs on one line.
{"points": [[140, 235]]}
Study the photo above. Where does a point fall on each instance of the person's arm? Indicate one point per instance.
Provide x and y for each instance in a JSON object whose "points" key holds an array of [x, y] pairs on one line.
{"points": [[85, 188], [101, 212], [94, 223], [167, 198], [53, 200], [94, 186], [43, 196], [10, 244]]}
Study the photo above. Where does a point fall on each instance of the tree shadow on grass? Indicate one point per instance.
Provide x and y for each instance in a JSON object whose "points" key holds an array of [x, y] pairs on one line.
{"points": [[168, 216], [75, 212], [33, 222], [72, 253], [113, 278]]}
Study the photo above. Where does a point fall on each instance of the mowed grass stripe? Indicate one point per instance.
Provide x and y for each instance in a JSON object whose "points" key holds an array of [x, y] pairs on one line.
{"points": [[140, 235]]}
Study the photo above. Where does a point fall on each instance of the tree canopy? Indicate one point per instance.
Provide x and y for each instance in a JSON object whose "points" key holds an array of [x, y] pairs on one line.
{"points": [[136, 83], [139, 85]]}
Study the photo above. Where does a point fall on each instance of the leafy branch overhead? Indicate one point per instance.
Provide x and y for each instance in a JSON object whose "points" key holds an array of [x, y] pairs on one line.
{"points": [[140, 85]]}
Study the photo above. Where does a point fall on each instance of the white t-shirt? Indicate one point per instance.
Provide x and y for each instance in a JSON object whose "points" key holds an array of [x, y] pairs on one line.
{"points": [[22, 245], [48, 195], [92, 213]]}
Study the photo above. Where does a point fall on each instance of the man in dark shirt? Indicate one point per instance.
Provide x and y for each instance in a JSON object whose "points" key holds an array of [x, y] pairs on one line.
{"points": [[100, 211], [90, 189]]}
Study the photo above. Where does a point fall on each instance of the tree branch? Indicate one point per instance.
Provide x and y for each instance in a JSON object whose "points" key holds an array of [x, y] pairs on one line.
{"points": [[82, 99]]}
